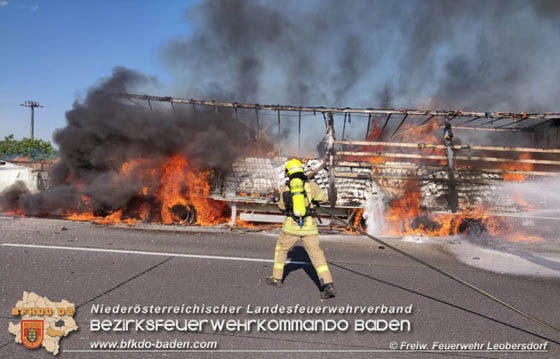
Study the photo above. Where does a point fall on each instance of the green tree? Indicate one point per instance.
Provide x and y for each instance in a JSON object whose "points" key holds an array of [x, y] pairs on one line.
{"points": [[36, 149]]}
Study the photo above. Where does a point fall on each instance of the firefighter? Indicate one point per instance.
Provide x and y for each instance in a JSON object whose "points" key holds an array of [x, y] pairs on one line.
{"points": [[297, 201]]}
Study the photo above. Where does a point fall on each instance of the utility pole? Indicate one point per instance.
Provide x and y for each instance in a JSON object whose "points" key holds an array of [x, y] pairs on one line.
{"points": [[32, 105]]}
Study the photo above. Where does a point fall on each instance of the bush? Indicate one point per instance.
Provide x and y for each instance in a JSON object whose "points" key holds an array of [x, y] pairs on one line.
{"points": [[35, 149]]}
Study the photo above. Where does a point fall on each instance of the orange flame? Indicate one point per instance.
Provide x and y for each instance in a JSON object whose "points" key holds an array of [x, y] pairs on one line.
{"points": [[404, 213], [15, 213], [408, 133], [515, 166], [173, 182], [424, 133]]}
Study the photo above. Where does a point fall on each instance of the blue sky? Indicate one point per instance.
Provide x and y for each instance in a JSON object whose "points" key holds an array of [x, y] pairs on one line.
{"points": [[52, 51]]}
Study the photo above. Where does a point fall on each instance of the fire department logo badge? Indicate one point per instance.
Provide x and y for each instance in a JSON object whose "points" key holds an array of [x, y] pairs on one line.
{"points": [[43, 323], [32, 333]]}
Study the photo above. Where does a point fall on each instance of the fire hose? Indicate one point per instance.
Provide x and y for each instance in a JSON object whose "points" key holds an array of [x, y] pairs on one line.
{"points": [[448, 275]]}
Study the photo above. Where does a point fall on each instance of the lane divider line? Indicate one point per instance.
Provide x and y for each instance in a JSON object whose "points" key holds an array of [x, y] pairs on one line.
{"points": [[146, 253]]}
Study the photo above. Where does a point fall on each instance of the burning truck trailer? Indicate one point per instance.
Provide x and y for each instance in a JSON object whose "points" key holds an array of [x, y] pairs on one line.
{"points": [[392, 198], [409, 175]]}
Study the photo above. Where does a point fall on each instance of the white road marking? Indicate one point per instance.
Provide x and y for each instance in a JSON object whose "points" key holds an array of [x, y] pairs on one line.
{"points": [[145, 253]]}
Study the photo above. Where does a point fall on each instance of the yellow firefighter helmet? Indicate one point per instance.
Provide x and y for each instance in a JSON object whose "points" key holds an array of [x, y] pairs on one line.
{"points": [[294, 166]]}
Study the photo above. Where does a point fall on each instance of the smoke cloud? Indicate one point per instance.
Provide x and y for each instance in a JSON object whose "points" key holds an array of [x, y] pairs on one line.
{"points": [[488, 56], [495, 56]]}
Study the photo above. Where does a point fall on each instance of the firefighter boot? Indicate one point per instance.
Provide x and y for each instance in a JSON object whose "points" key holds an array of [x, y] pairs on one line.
{"points": [[274, 282], [328, 291]]}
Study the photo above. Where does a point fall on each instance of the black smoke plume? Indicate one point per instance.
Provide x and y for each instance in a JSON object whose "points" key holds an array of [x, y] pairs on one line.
{"points": [[432, 54], [490, 56], [103, 132]]}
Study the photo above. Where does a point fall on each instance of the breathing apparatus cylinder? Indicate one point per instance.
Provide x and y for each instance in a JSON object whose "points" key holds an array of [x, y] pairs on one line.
{"points": [[298, 199]]}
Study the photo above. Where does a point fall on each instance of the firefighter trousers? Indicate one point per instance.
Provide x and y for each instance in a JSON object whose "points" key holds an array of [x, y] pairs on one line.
{"points": [[286, 241]]}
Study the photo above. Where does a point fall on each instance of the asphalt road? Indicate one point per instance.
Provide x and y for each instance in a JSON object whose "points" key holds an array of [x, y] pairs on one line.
{"points": [[147, 267]]}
